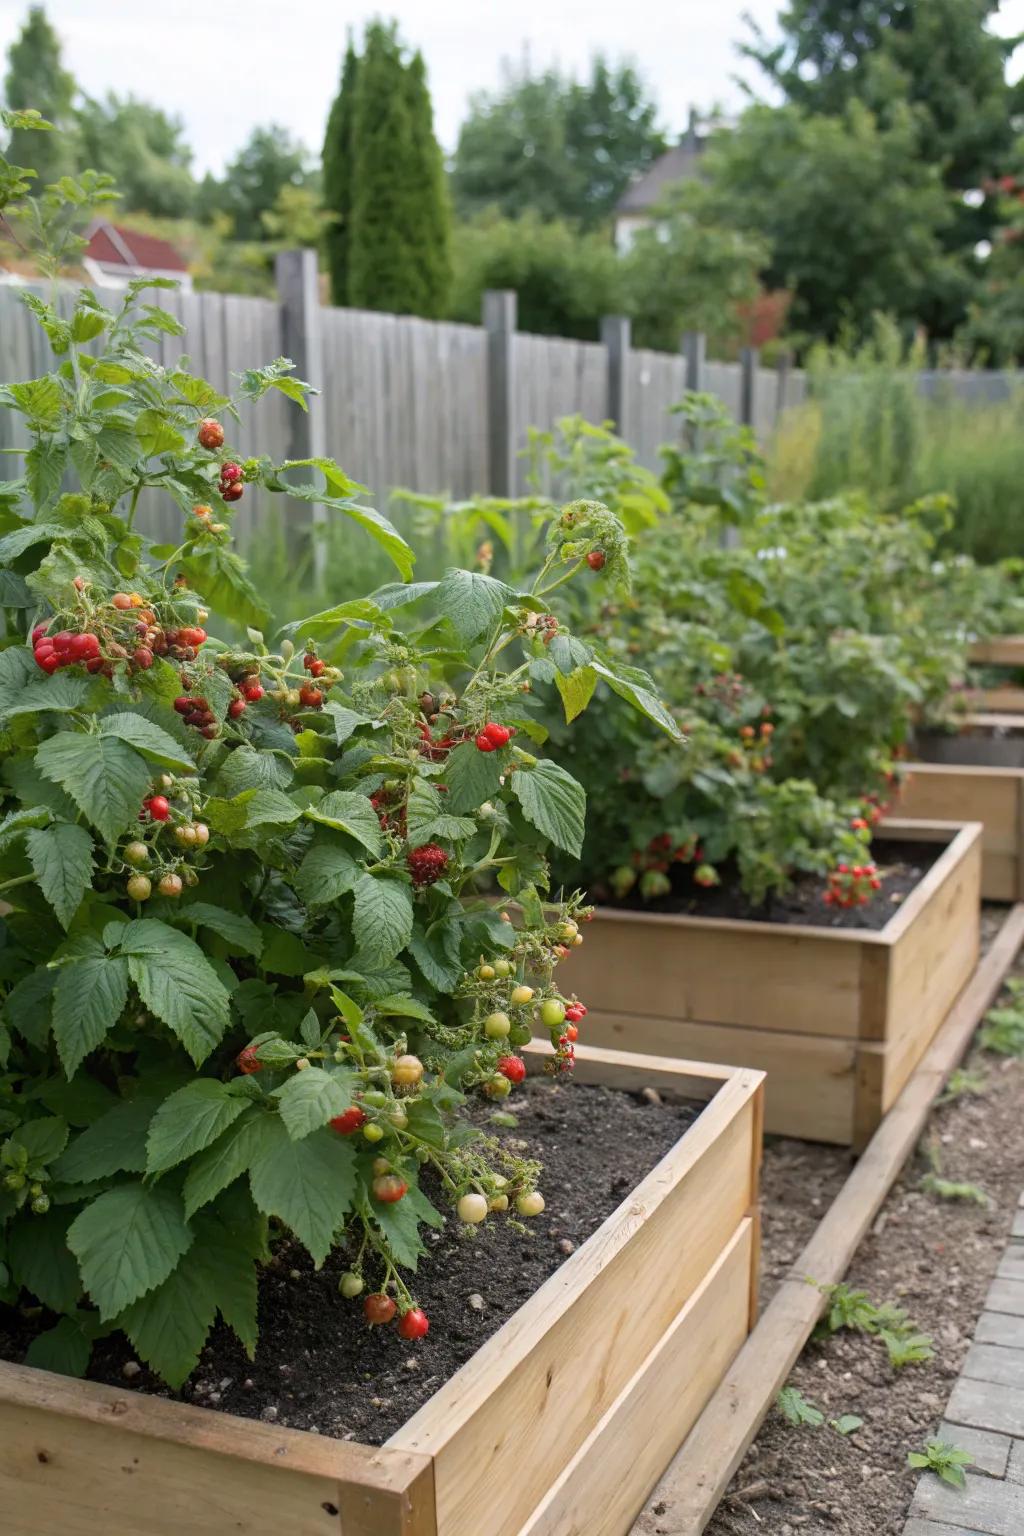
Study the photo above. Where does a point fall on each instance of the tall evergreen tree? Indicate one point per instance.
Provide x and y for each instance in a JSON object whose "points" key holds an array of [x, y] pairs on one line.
{"points": [[398, 244], [36, 78], [337, 176]]}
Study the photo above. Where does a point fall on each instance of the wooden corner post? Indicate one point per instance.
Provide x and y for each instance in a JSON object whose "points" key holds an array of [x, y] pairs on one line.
{"points": [[499, 321], [748, 382], [616, 339], [694, 347], [297, 278]]}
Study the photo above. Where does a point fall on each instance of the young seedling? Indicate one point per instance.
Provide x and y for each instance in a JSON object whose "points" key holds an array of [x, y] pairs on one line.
{"points": [[951, 1189], [855, 1312], [964, 1083], [946, 1461], [796, 1410], [1003, 1029]]}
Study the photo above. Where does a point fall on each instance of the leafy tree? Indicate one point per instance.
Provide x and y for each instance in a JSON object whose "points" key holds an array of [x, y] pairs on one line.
{"points": [[689, 273], [36, 79], [562, 148], [564, 280], [398, 256], [852, 215], [143, 148], [270, 160], [337, 174]]}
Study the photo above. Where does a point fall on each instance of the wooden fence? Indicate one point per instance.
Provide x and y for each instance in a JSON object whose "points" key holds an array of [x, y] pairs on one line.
{"points": [[430, 406]]}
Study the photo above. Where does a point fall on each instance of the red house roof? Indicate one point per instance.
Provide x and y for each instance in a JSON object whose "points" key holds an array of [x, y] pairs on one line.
{"points": [[115, 246]]}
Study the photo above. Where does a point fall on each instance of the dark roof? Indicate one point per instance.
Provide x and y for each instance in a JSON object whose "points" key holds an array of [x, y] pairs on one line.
{"points": [[681, 163], [115, 246]]}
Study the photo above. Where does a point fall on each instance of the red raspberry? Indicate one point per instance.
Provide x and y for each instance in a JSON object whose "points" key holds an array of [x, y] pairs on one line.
{"points": [[83, 647], [253, 691], [484, 743], [513, 1068], [350, 1122], [236, 708], [498, 734], [413, 1324], [427, 864], [48, 660], [596, 559], [211, 433], [311, 698], [248, 1062], [230, 472], [158, 807], [233, 492]]}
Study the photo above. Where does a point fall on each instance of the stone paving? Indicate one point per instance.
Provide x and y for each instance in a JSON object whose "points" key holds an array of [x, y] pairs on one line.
{"points": [[985, 1417]]}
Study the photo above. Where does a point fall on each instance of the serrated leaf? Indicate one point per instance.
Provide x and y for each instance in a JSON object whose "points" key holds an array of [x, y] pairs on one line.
{"points": [[212, 1171], [16, 669], [149, 739], [189, 1121], [436, 952], [60, 695], [307, 1184], [63, 1349], [640, 696], [88, 1000], [471, 602], [127, 1242], [381, 919], [347, 811], [577, 690], [44, 1140], [472, 777], [238, 931], [345, 721], [115, 1143], [176, 981], [271, 808], [41, 1261], [553, 802], [155, 433], [61, 856], [428, 817], [310, 1098], [327, 872], [105, 777]]}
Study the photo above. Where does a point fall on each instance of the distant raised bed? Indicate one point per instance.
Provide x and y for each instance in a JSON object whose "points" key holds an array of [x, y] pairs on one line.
{"points": [[999, 651], [837, 1017], [993, 796], [984, 740], [562, 1421]]}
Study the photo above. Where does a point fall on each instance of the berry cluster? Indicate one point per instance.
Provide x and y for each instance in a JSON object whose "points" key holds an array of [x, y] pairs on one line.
{"points": [[196, 711], [541, 626], [66, 649], [493, 736], [171, 876], [851, 885], [649, 868], [142, 639], [231, 487], [427, 864], [211, 437], [725, 688]]}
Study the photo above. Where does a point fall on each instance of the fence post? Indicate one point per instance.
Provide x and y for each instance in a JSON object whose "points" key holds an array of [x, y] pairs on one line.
{"points": [[297, 279], [783, 367], [694, 347], [615, 338], [748, 380], [499, 321]]}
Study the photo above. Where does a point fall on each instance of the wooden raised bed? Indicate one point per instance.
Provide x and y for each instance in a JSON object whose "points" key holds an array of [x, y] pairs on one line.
{"points": [[838, 1018], [993, 796], [999, 651], [984, 740], [562, 1422]]}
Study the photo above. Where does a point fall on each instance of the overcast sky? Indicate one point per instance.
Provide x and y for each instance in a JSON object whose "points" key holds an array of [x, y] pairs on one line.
{"points": [[226, 65]]}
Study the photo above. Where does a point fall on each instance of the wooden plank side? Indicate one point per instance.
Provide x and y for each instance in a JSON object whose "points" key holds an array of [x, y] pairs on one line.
{"points": [[89, 1460], [809, 1090], [949, 792], [503, 1428], [605, 1485], [1006, 700], [931, 962], [998, 651], [721, 972]]}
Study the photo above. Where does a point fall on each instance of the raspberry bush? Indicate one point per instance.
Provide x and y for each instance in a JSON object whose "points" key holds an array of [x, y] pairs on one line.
{"points": [[254, 959]]}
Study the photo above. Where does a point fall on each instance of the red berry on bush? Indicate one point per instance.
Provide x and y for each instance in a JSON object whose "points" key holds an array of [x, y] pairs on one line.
{"points": [[184, 705], [484, 743], [596, 559], [143, 657], [62, 642], [248, 1062], [351, 1121], [83, 647], [211, 433], [158, 807], [253, 691], [316, 668], [512, 1068], [389, 1188], [498, 734], [48, 660], [39, 632], [427, 864], [572, 1034], [413, 1324], [235, 708], [233, 492], [379, 1308], [311, 698], [230, 472]]}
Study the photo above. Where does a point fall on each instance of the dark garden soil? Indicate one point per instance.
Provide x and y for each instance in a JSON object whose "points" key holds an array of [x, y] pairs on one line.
{"points": [[934, 1257], [901, 865], [319, 1367]]}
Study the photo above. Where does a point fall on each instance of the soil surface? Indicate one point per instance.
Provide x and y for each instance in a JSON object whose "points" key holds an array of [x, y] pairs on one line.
{"points": [[319, 1367], [901, 866], [934, 1257]]}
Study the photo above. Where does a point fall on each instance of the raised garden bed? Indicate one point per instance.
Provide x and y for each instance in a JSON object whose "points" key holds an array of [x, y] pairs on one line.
{"points": [[564, 1419], [965, 792], [984, 740], [837, 1016], [999, 651]]}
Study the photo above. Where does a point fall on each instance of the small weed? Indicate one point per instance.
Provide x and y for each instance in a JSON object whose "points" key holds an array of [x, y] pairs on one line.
{"points": [[856, 1312], [964, 1082], [950, 1189], [847, 1309], [907, 1348], [946, 1461], [1003, 1029], [796, 1410], [846, 1424]]}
